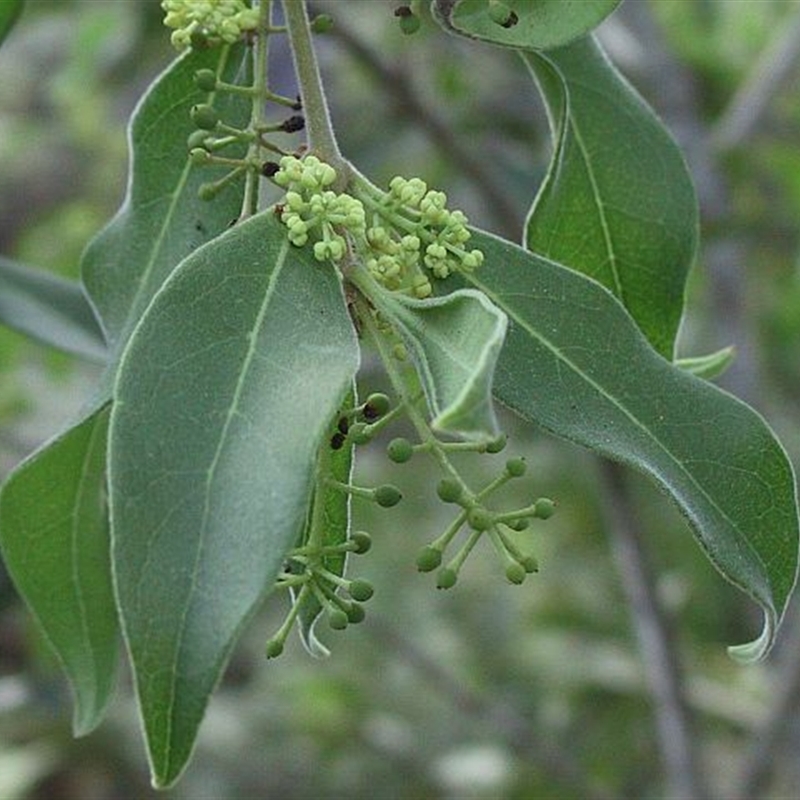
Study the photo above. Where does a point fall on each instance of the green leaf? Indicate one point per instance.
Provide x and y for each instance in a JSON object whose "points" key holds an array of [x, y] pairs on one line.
{"points": [[709, 366], [617, 203], [9, 13], [54, 537], [454, 341], [575, 363], [162, 219], [224, 396], [50, 309], [328, 523], [540, 25]]}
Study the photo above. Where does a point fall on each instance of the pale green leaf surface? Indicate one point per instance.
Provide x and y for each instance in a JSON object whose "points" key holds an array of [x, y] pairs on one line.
{"points": [[709, 366], [454, 341], [54, 536], [162, 219], [224, 396], [575, 363], [50, 309], [541, 24], [329, 513], [9, 13], [617, 203]]}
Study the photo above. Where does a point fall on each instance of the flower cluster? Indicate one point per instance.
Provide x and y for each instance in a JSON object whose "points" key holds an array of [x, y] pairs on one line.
{"points": [[400, 236], [213, 20]]}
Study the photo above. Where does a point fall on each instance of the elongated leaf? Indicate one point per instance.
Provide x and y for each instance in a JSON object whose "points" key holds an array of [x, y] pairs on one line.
{"points": [[539, 25], [575, 363], [162, 219], [50, 309], [9, 12], [224, 396], [454, 341], [330, 520], [54, 536], [618, 202]]}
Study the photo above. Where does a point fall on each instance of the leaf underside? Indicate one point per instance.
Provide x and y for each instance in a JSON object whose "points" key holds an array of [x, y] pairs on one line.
{"points": [[224, 395], [575, 363]]}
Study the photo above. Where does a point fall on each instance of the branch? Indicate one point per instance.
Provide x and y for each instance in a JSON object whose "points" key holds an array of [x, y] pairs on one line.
{"points": [[656, 642]]}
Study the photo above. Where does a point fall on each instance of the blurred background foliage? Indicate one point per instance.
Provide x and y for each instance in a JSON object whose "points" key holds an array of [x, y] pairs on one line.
{"points": [[487, 690]]}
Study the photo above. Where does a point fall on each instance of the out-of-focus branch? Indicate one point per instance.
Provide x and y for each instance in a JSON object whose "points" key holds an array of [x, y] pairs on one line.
{"points": [[398, 85], [746, 110], [677, 744], [515, 729]]}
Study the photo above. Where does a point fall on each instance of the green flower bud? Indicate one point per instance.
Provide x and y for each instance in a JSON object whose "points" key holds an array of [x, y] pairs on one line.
{"points": [[479, 518], [204, 116], [530, 564], [205, 80], [198, 156], [376, 406], [355, 613], [358, 434], [400, 450], [429, 559], [544, 508], [322, 23], [446, 579], [497, 444], [515, 572], [388, 495], [338, 619], [197, 139], [502, 15], [410, 24], [273, 648], [519, 524], [516, 467], [360, 590], [449, 490], [363, 542]]}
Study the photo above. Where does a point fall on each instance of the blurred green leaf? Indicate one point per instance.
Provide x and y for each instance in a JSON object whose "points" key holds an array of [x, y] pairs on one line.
{"points": [[54, 537], [454, 341], [575, 363], [9, 13], [50, 309], [224, 396], [618, 202], [162, 219], [330, 513], [539, 25]]}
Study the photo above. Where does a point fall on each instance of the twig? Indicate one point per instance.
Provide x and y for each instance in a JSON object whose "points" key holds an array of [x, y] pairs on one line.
{"points": [[677, 744], [517, 731], [398, 85], [749, 104]]}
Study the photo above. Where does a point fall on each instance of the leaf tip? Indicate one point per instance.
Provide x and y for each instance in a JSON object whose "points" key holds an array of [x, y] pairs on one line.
{"points": [[758, 649]]}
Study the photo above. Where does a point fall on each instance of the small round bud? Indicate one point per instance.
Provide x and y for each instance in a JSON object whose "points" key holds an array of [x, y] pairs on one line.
{"points": [[273, 648], [358, 433], [362, 540], [519, 524], [338, 619], [530, 564], [360, 590], [498, 444], [355, 613], [502, 15], [204, 116], [516, 467], [197, 139], [544, 508], [429, 559], [376, 406], [208, 191], [293, 124], [205, 80], [446, 579], [198, 156], [449, 490], [322, 23], [400, 450], [387, 495], [198, 39], [515, 572], [479, 518], [410, 24]]}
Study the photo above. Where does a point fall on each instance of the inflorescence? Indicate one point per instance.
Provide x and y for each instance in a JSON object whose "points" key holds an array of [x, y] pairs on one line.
{"points": [[208, 21], [402, 237]]}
